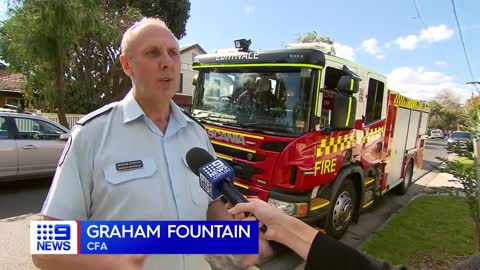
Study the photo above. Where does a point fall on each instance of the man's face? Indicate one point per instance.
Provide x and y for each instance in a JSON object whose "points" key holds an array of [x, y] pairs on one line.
{"points": [[153, 63], [263, 85]]}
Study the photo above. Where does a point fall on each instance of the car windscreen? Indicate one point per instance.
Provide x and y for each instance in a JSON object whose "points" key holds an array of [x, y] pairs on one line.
{"points": [[461, 135]]}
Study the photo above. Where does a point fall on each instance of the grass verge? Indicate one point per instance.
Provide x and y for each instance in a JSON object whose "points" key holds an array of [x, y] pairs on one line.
{"points": [[432, 232]]}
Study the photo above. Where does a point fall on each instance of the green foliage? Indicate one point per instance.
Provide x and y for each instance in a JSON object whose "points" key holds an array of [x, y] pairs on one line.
{"points": [[446, 111], [313, 37], [81, 36], [463, 169], [472, 112], [175, 13]]}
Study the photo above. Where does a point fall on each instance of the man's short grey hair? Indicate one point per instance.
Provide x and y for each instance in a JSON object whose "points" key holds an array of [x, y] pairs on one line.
{"points": [[128, 35]]}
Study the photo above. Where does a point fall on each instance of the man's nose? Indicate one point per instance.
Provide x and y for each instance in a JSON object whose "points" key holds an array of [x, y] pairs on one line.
{"points": [[165, 61]]}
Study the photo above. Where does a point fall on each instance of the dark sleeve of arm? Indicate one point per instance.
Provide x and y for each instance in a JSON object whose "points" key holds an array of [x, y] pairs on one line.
{"points": [[328, 253]]}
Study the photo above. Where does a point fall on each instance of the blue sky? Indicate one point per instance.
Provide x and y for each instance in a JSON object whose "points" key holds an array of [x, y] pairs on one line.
{"points": [[388, 36]]}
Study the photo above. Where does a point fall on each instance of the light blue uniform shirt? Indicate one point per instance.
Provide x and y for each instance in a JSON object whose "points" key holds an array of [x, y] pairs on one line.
{"points": [[88, 184]]}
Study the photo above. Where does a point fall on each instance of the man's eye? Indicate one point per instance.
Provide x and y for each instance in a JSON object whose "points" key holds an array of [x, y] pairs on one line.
{"points": [[153, 53], [173, 53]]}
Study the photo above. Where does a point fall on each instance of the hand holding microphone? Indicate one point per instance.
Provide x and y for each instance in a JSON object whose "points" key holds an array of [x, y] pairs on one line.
{"points": [[216, 176]]}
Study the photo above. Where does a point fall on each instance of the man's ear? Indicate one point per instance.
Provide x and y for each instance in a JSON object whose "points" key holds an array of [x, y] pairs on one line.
{"points": [[126, 65]]}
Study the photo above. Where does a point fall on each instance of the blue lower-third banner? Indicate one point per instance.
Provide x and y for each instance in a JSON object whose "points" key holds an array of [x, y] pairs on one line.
{"points": [[144, 237]]}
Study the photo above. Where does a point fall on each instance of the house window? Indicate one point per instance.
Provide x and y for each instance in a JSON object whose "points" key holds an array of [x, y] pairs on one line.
{"points": [[193, 56], [13, 101], [180, 85], [374, 100]]}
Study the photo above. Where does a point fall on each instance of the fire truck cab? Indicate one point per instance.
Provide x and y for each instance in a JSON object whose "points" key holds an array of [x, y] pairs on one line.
{"points": [[310, 133]]}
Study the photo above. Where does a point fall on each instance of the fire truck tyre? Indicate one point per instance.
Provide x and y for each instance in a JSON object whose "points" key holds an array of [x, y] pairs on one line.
{"points": [[342, 211], [407, 181]]}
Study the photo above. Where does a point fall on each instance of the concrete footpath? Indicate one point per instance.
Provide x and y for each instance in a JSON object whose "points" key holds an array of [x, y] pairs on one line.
{"points": [[14, 239]]}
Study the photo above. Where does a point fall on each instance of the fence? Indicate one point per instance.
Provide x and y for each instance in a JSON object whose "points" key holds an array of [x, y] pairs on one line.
{"points": [[71, 118]]}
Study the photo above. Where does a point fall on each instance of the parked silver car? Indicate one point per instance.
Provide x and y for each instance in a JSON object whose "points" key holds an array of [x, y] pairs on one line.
{"points": [[30, 145]]}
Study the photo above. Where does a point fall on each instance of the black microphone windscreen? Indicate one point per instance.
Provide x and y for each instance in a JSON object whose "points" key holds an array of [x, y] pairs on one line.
{"points": [[197, 157]]}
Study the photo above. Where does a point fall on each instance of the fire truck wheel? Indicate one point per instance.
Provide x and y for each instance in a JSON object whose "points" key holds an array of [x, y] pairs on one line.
{"points": [[407, 181], [342, 211]]}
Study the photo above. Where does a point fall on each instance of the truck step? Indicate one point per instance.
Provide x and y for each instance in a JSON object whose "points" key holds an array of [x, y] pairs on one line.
{"points": [[369, 181], [318, 203]]}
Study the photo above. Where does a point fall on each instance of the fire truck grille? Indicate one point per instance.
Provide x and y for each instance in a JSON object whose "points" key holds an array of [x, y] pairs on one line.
{"points": [[243, 170], [238, 153]]}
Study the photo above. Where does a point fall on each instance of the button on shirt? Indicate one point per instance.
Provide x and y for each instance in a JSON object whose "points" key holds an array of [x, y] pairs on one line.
{"points": [[91, 181]]}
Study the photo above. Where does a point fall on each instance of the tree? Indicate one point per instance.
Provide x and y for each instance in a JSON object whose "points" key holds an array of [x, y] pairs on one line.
{"points": [[38, 36], [313, 36], [446, 111], [449, 100], [92, 72], [96, 56], [175, 13], [472, 112]]}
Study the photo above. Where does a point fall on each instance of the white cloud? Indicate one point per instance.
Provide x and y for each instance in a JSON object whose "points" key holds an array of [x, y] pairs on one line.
{"points": [[387, 45], [371, 46], [424, 85], [249, 10], [441, 63], [344, 51], [407, 43], [436, 33], [431, 34]]}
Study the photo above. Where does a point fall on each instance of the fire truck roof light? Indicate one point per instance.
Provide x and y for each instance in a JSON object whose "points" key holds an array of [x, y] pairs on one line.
{"points": [[243, 44]]}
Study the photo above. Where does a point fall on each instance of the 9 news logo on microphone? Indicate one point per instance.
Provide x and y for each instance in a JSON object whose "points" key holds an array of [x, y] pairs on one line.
{"points": [[212, 174], [53, 237]]}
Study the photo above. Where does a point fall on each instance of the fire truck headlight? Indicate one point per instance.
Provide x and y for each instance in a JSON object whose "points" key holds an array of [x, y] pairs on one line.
{"points": [[289, 208]]}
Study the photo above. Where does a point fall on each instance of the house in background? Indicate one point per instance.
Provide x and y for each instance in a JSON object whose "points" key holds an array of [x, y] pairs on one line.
{"points": [[11, 87], [183, 98]]}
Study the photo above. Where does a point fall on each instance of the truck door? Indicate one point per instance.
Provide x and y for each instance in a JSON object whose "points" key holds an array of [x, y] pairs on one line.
{"points": [[374, 120]]}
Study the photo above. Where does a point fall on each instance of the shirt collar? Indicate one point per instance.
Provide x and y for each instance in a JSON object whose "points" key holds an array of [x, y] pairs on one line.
{"points": [[178, 114], [132, 110]]}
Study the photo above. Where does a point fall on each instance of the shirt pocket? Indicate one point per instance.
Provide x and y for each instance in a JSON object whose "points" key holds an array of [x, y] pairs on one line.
{"points": [[115, 176], [198, 195]]}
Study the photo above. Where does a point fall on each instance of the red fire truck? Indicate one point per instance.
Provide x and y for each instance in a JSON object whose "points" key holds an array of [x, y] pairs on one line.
{"points": [[313, 134]]}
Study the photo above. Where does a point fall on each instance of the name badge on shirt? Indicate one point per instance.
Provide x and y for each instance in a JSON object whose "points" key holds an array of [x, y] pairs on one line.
{"points": [[129, 165]]}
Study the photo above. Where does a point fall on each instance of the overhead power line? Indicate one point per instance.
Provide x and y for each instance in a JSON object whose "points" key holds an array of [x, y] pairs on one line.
{"points": [[463, 44], [440, 50]]}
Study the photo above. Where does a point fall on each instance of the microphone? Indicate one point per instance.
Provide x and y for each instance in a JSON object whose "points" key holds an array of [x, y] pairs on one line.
{"points": [[216, 176]]}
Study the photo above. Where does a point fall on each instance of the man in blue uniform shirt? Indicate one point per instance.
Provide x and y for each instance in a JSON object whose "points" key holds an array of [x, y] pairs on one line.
{"points": [[126, 161]]}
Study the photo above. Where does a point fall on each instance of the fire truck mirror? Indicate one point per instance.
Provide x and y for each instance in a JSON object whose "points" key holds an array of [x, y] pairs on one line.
{"points": [[348, 84], [343, 112], [194, 80]]}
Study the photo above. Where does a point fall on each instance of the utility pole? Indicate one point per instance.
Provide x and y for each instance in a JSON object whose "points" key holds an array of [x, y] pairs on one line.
{"points": [[476, 85]]}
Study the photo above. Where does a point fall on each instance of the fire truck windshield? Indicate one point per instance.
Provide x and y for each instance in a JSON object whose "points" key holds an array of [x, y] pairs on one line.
{"points": [[273, 102]]}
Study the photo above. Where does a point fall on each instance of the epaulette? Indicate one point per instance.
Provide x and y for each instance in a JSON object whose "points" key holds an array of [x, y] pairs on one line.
{"points": [[191, 117], [103, 110]]}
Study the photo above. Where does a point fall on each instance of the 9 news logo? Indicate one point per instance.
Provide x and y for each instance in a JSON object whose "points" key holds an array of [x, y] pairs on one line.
{"points": [[53, 237], [216, 169]]}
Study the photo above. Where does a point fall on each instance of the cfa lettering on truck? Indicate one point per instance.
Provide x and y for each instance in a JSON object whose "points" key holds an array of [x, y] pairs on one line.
{"points": [[313, 134]]}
